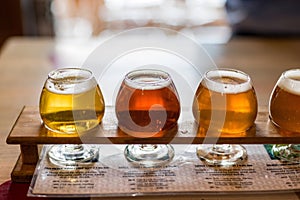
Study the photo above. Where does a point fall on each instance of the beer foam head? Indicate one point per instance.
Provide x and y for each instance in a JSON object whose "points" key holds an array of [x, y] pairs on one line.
{"points": [[290, 81], [70, 81], [147, 79], [227, 81]]}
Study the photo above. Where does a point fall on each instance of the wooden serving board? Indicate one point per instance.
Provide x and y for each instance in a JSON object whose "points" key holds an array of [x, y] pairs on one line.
{"points": [[29, 132], [28, 129]]}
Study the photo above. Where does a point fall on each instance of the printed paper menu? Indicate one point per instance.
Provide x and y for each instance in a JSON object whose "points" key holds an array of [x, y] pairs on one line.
{"points": [[113, 175]]}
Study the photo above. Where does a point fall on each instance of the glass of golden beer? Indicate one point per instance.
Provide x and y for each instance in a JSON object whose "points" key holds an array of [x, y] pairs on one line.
{"points": [[284, 111], [71, 103], [147, 105], [225, 103]]}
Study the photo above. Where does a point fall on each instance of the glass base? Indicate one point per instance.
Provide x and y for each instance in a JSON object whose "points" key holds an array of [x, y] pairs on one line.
{"points": [[224, 155], [72, 153], [148, 155], [287, 152]]}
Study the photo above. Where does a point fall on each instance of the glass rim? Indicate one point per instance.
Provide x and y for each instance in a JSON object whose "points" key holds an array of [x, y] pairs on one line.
{"points": [[288, 74], [147, 79], [228, 70], [227, 87], [60, 74], [289, 81]]}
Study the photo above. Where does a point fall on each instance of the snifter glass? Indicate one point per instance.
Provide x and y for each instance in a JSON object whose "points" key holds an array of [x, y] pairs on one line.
{"points": [[71, 103], [147, 105], [225, 103], [284, 111]]}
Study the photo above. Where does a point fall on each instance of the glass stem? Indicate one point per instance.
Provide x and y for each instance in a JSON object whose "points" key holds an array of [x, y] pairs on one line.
{"points": [[222, 148], [148, 147]]}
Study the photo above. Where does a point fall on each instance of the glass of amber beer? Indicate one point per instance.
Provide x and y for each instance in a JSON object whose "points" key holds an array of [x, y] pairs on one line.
{"points": [[71, 103], [284, 110], [147, 105], [225, 103]]}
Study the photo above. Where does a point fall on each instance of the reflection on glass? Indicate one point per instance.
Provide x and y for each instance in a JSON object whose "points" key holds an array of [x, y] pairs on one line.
{"points": [[147, 105], [71, 102], [225, 102], [284, 110]]}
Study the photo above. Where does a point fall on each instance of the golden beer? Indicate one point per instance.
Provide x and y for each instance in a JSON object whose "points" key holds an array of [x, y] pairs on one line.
{"points": [[147, 103], [284, 102], [71, 101], [284, 112], [225, 102]]}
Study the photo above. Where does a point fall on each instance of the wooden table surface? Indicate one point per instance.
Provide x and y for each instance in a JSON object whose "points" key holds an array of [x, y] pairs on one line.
{"points": [[25, 63]]}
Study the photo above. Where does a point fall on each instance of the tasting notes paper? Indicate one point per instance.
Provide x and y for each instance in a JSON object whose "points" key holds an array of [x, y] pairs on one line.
{"points": [[113, 175]]}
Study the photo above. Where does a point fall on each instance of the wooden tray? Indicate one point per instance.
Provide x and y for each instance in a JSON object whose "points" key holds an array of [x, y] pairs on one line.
{"points": [[29, 132]]}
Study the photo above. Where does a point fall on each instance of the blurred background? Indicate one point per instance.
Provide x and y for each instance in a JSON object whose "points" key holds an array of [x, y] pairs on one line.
{"points": [[92, 18], [209, 21]]}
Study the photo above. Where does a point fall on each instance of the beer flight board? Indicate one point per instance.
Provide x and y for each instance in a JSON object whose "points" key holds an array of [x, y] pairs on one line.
{"points": [[29, 133]]}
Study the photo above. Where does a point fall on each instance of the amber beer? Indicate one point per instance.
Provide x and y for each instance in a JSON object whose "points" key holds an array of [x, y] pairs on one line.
{"points": [[71, 101], [284, 102], [147, 103], [225, 101]]}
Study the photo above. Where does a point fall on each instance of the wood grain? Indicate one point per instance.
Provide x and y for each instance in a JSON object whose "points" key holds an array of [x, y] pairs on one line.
{"points": [[28, 129]]}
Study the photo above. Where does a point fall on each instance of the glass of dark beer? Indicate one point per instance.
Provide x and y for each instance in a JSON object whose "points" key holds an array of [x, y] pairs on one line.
{"points": [[284, 112], [71, 103], [225, 103], [147, 105]]}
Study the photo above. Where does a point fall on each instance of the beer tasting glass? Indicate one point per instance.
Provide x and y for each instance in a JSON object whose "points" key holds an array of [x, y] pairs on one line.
{"points": [[147, 105], [284, 111], [225, 103], [71, 103]]}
